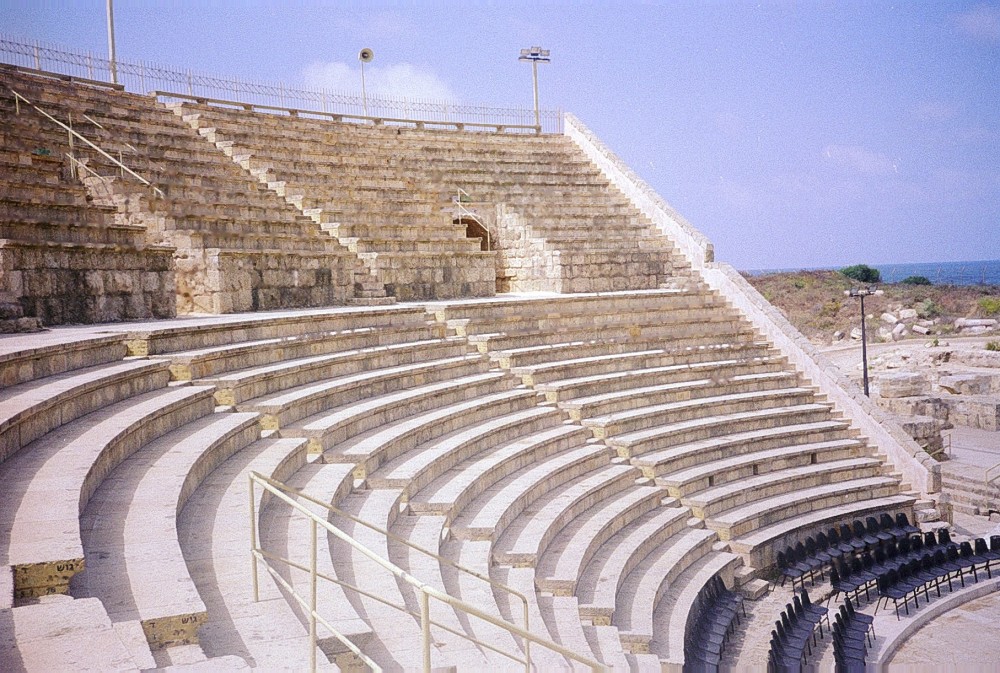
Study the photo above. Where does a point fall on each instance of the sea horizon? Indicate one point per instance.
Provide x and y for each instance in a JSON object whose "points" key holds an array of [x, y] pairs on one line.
{"points": [[975, 272]]}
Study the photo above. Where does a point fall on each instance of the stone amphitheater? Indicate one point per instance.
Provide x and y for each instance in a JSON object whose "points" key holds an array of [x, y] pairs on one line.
{"points": [[298, 405]]}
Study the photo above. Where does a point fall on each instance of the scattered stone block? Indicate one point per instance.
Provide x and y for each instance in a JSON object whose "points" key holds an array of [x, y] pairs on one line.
{"points": [[908, 314], [968, 384], [921, 329], [899, 331], [903, 384], [856, 334], [889, 319]]}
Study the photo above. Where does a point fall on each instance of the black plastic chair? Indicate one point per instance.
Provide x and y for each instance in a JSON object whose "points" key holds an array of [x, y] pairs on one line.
{"points": [[875, 528], [904, 524], [944, 537], [817, 613], [982, 555], [836, 541], [862, 534], [847, 536], [788, 571], [888, 590], [995, 546], [969, 559], [859, 617], [890, 527], [930, 540]]}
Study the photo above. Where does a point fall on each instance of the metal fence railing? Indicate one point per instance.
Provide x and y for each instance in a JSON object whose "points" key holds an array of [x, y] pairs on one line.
{"points": [[143, 77]]}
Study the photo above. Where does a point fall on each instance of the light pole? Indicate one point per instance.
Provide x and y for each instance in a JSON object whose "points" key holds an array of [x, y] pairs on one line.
{"points": [[536, 55], [861, 294], [365, 56], [111, 43]]}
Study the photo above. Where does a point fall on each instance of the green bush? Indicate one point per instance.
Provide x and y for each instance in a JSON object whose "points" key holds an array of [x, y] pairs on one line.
{"points": [[927, 309], [989, 306], [993, 345], [862, 273], [916, 280]]}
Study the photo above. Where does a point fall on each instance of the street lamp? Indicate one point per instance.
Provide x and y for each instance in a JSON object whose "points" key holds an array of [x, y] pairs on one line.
{"points": [[365, 56], [536, 55], [861, 294]]}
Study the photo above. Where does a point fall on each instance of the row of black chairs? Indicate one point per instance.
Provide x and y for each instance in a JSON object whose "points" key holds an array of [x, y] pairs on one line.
{"points": [[863, 572], [711, 622], [851, 576], [853, 634], [794, 634], [805, 559], [907, 580]]}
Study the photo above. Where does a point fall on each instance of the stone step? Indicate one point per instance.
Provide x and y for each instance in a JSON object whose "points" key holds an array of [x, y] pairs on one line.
{"points": [[607, 571], [563, 562], [287, 533], [31, 409], [742, 520], [311, 409], [50, 482], [663, 463], [672, 613], [760, 546], [372, 449], [528, 537], [489, 514], [246, 384], [583, 389], [415, 469], [267, 632], [645, 417], [646, 396], [134, 563], [64, 635], [708, 502], [662, 436], [729, 470], [649, 581], [561, 448]]}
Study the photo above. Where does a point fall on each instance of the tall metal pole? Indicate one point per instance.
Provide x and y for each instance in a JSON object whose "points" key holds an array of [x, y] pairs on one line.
{"points": [[864, 345], [534, 78], [364, 93], [111, 42]]}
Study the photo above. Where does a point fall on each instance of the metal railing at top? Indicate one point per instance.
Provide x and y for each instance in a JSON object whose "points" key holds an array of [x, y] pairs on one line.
{"points": [[425, 591], [338, 116], [75, 135], [142, 77]]}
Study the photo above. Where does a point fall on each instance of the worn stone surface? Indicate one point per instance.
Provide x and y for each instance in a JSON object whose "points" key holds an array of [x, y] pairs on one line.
{"points": [[903, 384]]}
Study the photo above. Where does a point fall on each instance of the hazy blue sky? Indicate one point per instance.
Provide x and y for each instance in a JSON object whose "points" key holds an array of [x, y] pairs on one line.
{"points": [[793, 134]]}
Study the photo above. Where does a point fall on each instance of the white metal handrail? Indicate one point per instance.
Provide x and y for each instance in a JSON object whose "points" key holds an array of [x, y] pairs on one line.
{"points": [[401, 540], [74, 134], [426, 592], [339, 116], [462, 197]]}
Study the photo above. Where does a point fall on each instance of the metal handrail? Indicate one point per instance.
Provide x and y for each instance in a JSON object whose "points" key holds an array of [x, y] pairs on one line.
{"points": [[463, 211], [337, 116], [281, 491], [411, 545], [73, 134]]}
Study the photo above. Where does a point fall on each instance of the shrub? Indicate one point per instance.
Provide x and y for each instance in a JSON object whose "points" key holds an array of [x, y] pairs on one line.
{"points": [[928, 309], [916, 280], [830, 308], [989, 306], [862, 273], [993, 345]]}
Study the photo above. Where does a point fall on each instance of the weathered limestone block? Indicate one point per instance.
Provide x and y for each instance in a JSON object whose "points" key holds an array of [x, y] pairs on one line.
{"points": [[926, 431], [970, 384], [975, 411], [908, 314], [889, 319], [903, 384], [933, 407]]}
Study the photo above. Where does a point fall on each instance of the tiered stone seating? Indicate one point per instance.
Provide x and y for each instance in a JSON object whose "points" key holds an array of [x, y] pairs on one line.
{"points": [[63, 258], [239, 247], [345, 178], [703, 408]]}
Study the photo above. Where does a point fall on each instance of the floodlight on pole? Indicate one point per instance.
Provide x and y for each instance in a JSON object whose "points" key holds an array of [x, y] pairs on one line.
{"points": [[365, 56], [112, 61], [536, 55], [861, 294]]}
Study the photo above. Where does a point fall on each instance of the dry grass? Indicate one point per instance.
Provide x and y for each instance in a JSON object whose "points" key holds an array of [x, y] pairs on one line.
{"points": [[814, 301]]}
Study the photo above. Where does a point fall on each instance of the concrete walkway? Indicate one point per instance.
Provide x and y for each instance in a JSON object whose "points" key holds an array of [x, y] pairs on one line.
{"points": [[964, 639]]}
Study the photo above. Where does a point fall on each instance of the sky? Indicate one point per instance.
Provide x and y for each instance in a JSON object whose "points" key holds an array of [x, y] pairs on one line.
{"points": [[792, 134]]}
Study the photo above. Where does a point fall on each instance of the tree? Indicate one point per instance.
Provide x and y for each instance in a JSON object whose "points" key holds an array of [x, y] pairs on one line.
{"points": [[862, 273], [916, 280]]}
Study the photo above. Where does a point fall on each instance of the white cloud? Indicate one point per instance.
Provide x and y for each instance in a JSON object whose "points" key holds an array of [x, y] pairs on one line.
{"points": [[400, 80], [860, 159], [982, 22]]}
